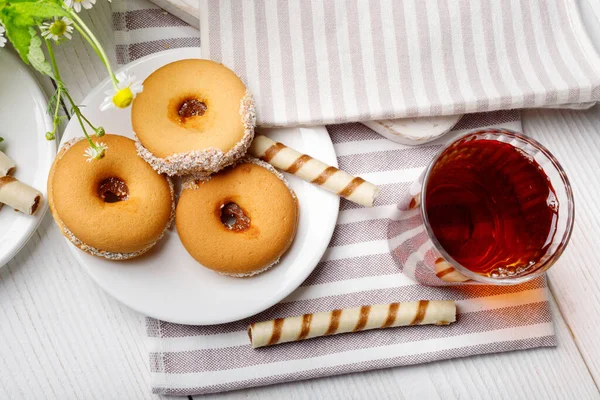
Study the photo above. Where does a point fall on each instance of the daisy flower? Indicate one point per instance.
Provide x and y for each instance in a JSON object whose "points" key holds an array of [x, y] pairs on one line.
{"points": [[95, 153], [2, 38], [77, 4], [122, 97], [56, 29]]}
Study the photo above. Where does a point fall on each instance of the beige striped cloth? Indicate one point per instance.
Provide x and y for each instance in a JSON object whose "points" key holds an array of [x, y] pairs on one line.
{"points": [[142, 28], [331, 61], [357, 269]]}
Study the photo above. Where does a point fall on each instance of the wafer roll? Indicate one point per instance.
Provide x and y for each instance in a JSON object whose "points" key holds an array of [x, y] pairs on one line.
{"points": [[18, 195], [446, 272], [308, 326], [7, 166], [311, 170]]}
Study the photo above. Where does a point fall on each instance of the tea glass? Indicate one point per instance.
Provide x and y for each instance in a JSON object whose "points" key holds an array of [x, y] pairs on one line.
{"points": [[423, 258]]}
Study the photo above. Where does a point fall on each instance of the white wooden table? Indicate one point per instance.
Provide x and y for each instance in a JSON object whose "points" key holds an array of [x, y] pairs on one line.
{"points": [[62, 337]]}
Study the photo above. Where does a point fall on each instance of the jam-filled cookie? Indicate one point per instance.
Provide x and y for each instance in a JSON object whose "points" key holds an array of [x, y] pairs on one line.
{"points": [[116, 207], [240, 221], [193, 117]]}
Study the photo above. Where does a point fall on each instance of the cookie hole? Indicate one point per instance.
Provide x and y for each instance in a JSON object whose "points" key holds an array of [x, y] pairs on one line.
{"points": [[113, 190], [191, 108], [234, 218]]}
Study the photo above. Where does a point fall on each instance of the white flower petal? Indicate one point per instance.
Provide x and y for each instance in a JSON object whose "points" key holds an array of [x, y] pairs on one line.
{"points": [[107, 104], [96, 152], [137, 88], [121, 75], [124, 79]]}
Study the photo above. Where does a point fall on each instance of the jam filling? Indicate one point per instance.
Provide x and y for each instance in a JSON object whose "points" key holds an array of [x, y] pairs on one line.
{"points": [[234, 218], [192, 108], [113, 190]]}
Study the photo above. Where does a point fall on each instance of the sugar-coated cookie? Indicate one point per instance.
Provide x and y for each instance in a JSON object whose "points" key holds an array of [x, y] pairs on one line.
{"points": [[116, 207], [193, 117], [240, 221]]}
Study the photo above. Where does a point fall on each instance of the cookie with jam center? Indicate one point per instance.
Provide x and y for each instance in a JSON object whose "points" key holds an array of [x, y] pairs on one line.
{"points": [[193, 117], [240, 221], [116, 207]]}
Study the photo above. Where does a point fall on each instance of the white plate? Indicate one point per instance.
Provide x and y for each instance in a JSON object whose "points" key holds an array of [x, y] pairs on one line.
{"points": [[167, 283], [23, 124], [414, 131]]}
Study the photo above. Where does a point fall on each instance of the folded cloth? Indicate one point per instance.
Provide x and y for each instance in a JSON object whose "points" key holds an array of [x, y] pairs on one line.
{"points": [[142, 28], [357, 269], [321, 62]]}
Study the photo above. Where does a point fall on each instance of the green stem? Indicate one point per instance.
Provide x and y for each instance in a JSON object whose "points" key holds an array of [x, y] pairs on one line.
{"points": [[91, 38], [54, 65], [79, 116], [59, 86], [56, 108], [90, 42], [88, 122], [58, 95]]}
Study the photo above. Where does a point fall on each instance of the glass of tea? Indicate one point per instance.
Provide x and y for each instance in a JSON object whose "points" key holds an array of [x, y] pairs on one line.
{"points": [[494, 207]]}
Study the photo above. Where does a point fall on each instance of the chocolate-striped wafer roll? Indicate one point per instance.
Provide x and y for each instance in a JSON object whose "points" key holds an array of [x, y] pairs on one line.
{"points": [[308, 326], [312, 170], [18, 195], [7, 166], [446, 272]]}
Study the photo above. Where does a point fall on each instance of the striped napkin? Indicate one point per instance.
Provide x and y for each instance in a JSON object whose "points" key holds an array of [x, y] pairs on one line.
{"points": [[320, 62], [142, 28], [357, 269]]}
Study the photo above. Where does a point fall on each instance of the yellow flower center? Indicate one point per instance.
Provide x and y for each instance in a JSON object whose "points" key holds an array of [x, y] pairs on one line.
{"points": [[123, 98], [58, 27]]}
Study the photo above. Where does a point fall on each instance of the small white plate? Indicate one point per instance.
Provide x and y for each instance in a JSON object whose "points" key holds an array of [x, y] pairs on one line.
{"points": [[414, 131], [23, 125], [167, 283]]}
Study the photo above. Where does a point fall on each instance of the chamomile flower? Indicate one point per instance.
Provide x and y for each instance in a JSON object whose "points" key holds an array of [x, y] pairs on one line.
{"points": [[95, 153], [57, 29], [128, 88], [2, 38], [77, 4]]}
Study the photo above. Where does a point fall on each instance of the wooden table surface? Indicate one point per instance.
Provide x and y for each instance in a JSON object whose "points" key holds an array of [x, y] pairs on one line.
{"points": [[61, 336]]}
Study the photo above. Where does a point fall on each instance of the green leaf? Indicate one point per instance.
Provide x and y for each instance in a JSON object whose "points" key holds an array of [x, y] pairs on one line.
{"points": [[19, 16], [20, 39], [36, 56], [32, 13]]}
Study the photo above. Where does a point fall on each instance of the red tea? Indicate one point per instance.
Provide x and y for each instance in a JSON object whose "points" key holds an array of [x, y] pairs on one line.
{"points": [[491, 207]]}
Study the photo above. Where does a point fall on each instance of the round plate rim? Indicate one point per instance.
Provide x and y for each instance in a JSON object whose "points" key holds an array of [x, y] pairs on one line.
{"points": [[52, 145], [192, 53]]}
